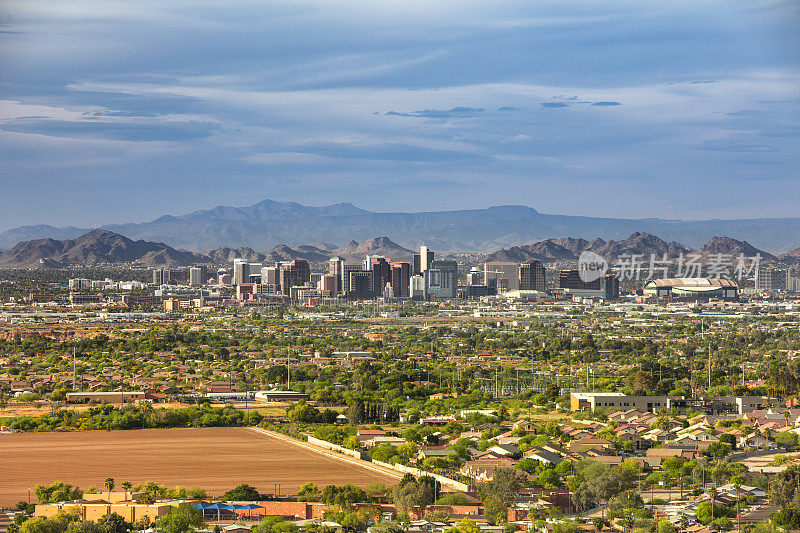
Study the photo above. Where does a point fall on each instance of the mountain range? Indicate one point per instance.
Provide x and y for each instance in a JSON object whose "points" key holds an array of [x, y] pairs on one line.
{"points": [[269, 223], [103, 247], [642, 244]]}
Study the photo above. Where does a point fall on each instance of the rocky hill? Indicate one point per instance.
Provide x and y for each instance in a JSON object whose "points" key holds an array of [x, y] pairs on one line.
{"points": [[643, 244], [375, 246], [310, 253], [96, 247], [544, 251], [224, 256], [791, 257], [569, 249], [732, 247]]}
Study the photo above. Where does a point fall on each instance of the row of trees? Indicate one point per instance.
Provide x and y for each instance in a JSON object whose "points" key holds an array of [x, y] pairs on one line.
{"points": [[134, 417]]}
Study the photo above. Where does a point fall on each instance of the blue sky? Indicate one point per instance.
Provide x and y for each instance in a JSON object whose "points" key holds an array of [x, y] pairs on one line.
{"points": [[124, 111]]}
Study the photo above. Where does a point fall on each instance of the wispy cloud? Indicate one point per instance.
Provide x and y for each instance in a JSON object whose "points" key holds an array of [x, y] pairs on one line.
{"points": [[486, 103]]}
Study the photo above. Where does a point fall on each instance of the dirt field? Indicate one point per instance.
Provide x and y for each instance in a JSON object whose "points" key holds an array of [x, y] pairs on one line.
{"points": [[216, 459]]}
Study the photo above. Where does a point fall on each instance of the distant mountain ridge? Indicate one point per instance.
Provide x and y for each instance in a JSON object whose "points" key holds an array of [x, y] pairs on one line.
{"points": [[267, 224], [642, 244], [103, 247]]}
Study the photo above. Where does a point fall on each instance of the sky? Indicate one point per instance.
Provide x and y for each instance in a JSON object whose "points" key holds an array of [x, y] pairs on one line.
{"points": [[123, 111]]}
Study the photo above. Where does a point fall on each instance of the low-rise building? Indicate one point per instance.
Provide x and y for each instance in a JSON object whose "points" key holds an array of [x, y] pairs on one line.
{"points": [[119, 397]]}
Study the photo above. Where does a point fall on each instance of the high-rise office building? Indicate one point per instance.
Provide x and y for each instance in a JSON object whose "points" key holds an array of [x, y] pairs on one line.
{"points": [[531, 276], [347, 268], [772, 279], [610, 287], [255, 273], [161, 276], [441, 279], [425, 258], [81, 284], [294, 274], [792, 283], [571, 279], [360, 285], [401, 276], [269, 274], [474, 277], [179, 276], [506, 275], [241, 271], [335, 269], [381, 273], [197, 276], [327, 284]]}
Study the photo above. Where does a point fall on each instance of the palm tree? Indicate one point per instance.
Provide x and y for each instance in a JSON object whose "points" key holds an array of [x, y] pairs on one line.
{"points": [[737, 486], [712, 493], [127, 485], [110, 486]]}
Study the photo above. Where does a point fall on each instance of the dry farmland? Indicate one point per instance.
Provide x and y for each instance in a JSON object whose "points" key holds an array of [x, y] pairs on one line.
{"points": [[215, 459]]}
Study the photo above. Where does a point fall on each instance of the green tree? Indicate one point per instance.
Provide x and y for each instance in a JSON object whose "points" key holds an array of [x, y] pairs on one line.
{"points": [[57, 492], [722, 524], [454, 498], [308, 489], [707, 512], [665, 526], [242, 493], [343, 496], [787, 518], [113, 523], [275, 524], [498, 494], [55, 524], [465, 526], [181, 519], [411, 493], [567, 526]]}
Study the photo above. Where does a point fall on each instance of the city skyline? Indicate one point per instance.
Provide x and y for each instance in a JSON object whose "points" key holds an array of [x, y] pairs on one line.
{"points": [[120, 112]]}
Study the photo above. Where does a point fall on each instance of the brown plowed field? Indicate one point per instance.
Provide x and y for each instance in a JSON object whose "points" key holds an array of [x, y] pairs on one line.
{"points": [[216, 459]]}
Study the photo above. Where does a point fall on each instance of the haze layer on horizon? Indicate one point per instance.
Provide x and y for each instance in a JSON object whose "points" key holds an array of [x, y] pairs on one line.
{"points": [[121, 111]]}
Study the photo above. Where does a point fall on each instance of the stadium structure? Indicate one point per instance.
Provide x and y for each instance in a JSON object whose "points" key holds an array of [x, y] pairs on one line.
{"points": [[692, 288]]}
